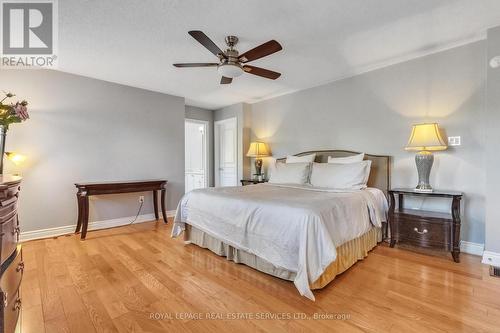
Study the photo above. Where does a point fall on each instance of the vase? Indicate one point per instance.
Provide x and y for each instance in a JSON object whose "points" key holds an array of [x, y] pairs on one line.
{"points": [[3, 135]]}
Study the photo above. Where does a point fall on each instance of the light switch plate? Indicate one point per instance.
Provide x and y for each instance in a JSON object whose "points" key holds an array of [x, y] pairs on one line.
{"points": [[454, 141]]}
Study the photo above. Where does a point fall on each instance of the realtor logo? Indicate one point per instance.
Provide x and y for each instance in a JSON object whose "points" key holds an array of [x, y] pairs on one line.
{"points": [[28, 33]]}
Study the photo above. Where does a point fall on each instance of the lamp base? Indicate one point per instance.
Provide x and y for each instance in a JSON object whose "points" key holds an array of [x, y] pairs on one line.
{"points": [[258, 166], [258, 176], [424, 160]]}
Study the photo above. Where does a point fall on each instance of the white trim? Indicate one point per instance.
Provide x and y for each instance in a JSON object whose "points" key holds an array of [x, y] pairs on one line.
{"points": [[383, 64], [481, 35], [226, 120], [491, 258], [96, 225], [472, 248], [217, 170], [465, 247], [206, 147]]}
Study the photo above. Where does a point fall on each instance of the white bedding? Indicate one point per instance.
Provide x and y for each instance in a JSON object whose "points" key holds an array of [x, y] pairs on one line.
{"points": [[296, 227]]}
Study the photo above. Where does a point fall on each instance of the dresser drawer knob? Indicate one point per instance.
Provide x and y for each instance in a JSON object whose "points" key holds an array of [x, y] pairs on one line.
{"points": [[16, 231], [20, 267], [420, 232], [17, 304]]}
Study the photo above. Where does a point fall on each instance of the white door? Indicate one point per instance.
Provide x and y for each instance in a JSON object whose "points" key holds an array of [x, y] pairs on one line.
{"points": [[196, 165], [226, 152]]}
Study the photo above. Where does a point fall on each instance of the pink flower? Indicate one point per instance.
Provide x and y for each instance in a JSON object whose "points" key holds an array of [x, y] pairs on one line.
{"points": [[21, 110]]}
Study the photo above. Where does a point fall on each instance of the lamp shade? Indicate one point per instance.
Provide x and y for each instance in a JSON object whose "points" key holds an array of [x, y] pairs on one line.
{"points": [[258, 149], [426, 137]]}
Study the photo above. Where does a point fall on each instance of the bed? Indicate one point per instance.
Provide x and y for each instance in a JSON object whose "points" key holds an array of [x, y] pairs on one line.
{"points": [[299, 233]]}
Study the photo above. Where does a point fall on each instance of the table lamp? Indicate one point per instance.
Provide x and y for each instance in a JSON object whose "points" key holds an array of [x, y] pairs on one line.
{"points": [[258, 150], [425, 138]]}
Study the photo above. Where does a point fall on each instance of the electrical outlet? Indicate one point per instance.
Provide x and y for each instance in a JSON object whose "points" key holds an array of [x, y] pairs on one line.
{"points": [[141, 198], [454, 141]]}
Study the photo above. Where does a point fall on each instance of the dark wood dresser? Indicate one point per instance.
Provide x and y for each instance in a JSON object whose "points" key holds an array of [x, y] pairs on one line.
{"points": [[11, 255], [426, 228]]}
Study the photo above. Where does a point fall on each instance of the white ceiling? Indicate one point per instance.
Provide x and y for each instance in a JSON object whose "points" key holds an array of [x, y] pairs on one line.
{"points": [[135, 42]]}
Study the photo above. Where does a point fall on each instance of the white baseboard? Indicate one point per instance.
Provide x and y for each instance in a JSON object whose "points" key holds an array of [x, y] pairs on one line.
{"points": [[96, 225], [491, 258], [466, 247], [472, 248]]}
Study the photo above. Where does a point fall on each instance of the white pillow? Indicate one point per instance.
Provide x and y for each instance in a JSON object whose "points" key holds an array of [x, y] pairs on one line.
{"points": [[352, 176], [292, 173], [300, 159], [348, 159], [271, 166]]}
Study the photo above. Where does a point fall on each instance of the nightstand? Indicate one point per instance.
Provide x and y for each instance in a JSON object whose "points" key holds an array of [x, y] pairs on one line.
{"points": [[251, 181], [424, 228]]}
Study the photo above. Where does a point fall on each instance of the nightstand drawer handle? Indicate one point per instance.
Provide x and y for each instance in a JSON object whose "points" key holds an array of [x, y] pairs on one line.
{"points": [[17, 304], [20, 267], [16, 231], [420, 232]]}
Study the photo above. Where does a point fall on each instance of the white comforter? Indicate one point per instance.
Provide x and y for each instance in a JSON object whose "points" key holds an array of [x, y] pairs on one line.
{"points": [[294, 227]]}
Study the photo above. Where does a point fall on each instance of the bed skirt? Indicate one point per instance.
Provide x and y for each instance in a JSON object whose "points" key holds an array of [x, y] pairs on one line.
{"points": [[347, 254]]}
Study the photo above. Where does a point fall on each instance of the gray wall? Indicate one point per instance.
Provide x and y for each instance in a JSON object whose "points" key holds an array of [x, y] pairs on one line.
{"points": [[373, 113], [242, 112], [193, 112], [83, 129], [492, 151]]}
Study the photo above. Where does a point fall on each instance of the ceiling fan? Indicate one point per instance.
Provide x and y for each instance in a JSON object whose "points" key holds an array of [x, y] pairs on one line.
{"points": [[231, 64]]}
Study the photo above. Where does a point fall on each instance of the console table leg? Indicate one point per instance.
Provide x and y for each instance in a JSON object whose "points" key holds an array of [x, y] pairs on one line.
{"points": [[155, 204], [80, 211], [455, 212], [391, 225], [163, 210], [85, 217]]}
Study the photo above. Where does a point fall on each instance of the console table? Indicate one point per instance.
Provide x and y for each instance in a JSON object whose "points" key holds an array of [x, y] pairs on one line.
{"points": [[85, 190]]}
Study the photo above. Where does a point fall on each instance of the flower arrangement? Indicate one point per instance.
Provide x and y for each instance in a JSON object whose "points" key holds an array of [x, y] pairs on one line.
{"points": [[12, 113]]}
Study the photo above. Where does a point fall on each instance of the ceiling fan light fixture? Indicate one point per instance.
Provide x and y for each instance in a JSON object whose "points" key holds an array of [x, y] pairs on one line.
{"points": [[230, 70], [231, 63]]}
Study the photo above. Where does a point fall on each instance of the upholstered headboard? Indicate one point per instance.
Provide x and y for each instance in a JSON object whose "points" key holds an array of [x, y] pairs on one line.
{"points": [[380, 174]]}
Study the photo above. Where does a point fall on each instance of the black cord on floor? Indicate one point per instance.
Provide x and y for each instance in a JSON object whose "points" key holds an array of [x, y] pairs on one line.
{"points": [[138, 212]]}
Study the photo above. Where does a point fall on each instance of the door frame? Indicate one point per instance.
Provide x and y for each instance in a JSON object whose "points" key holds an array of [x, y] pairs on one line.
{"points": [[217, 170], [206, 148]]}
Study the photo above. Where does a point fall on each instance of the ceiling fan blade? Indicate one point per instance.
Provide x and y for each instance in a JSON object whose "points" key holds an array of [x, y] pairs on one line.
{"points": [[226, 80], [261, 51], [261, 72], [207, 42], [197, 64]]}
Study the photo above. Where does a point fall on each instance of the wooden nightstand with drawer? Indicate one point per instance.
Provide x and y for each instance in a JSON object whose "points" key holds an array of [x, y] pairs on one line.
{"points": [[11, 256], [425, 228]]}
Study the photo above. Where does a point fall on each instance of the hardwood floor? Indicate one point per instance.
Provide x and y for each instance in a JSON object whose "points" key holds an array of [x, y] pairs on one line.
{"points": [[138, 279]]}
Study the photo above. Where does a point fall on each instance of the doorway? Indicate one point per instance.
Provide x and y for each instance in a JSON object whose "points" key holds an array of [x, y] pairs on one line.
{"points": [[226, 152], [196, 154]]}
